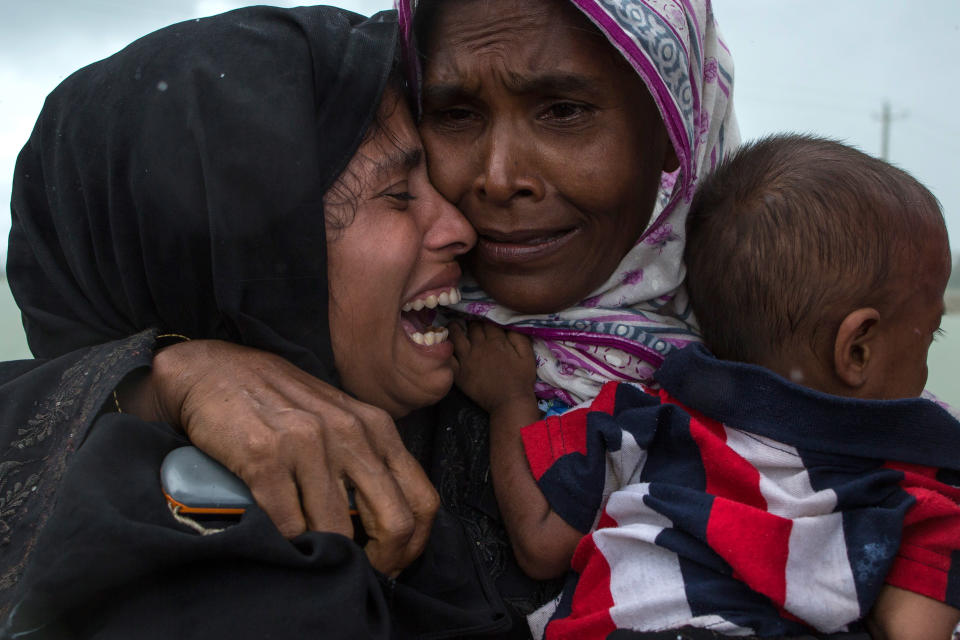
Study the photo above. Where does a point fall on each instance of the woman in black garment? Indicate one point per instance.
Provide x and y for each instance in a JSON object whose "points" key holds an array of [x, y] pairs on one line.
{"points": [[254, 177]]}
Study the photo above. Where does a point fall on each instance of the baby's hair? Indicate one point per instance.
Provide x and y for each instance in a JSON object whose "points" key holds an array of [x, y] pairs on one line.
{"points": [[790, 234]]}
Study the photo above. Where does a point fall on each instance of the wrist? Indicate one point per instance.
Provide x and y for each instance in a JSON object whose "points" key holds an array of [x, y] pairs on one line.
{"points": [[518, 410], [171, 378]]}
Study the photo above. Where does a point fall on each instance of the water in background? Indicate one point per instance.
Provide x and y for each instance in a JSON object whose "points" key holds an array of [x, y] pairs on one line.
{"points": [[943, 361]]}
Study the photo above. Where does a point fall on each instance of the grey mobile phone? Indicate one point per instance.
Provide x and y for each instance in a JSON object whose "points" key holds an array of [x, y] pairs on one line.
{"points": [[198, 484]]}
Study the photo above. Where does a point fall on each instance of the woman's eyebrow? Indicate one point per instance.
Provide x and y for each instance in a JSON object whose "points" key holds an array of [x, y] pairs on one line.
{"points": [[543, 83], [548, 83], [444, 93], [405, 160]]}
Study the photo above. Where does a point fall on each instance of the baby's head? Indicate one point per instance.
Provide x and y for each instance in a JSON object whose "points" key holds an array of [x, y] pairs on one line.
{"points": [[821, 263]]}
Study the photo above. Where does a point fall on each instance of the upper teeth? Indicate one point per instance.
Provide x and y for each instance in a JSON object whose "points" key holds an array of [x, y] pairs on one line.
{"points": [[451, 296]]}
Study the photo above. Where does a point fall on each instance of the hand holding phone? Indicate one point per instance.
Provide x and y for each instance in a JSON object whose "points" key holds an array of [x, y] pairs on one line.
{"points": [[198, 485]]}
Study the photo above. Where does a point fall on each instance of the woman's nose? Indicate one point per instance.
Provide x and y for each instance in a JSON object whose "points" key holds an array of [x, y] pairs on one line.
{"points": [[505, 173], [449, 231]]}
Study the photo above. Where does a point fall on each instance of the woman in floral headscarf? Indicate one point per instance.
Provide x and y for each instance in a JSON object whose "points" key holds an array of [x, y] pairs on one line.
{"points": [[599, 285]]}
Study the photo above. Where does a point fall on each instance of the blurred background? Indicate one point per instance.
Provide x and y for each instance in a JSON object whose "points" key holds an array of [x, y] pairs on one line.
{"points": [[878, 74]]}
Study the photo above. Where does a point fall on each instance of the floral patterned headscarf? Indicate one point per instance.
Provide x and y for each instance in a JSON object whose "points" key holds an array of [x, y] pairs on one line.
{"points": [[625, 328]]}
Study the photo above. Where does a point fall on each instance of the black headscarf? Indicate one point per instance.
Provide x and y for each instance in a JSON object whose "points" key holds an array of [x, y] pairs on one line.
{"points": [[178, 184]]}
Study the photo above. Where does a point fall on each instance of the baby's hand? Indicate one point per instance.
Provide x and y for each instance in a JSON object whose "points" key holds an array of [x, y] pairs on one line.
{"points": [[494, 366]]}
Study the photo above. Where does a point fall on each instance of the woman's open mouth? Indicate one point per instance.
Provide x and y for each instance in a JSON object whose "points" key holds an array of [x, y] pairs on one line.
{"points": [[420, 320], [520, 247]]}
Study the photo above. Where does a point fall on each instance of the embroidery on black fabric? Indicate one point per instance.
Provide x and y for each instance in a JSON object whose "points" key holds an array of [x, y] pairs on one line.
{"points": [[14, 497], [464, 472], [34, 462]]}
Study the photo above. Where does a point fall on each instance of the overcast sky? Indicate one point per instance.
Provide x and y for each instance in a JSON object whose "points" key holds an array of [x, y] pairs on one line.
{"points": [[821, 66]]}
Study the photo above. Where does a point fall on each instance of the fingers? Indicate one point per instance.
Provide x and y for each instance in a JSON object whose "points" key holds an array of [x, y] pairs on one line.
{"points": [[422, 500], [343, 449], [395, 499], [478, 331], [521, 344], [495, 335], [486, 334], [389, 525], [324, 500], [458, 336], [278, 497], [399, 539], [284, 468], [387, 488]]}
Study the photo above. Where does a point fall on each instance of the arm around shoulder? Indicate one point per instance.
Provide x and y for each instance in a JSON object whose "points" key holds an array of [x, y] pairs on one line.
{"points": [[296, 441]]}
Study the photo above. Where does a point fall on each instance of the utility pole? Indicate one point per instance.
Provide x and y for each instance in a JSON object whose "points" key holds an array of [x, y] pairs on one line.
{"points": [[886, 117], [885, 131]]}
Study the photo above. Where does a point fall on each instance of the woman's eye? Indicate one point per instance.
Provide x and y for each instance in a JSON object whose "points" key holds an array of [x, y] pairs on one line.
{"points": [[398, 197], [457, 114], [939, 333], [398, 194], [565, 111], [452, 117]]}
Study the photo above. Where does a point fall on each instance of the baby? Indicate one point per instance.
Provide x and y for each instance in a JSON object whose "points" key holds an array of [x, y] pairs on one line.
{"points": [[792, 478]]}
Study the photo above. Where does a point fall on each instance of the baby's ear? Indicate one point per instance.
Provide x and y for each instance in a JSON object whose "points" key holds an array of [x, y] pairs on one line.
{"points": [[853, 347]]}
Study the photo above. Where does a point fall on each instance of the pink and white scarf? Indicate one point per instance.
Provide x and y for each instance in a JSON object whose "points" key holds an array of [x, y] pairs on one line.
{"points": [[625, 328]]}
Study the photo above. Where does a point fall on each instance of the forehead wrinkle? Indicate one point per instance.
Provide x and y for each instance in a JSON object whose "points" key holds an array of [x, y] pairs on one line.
{"points": [[489, 46], [535, 21], [492, 33], [492, 37]]}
